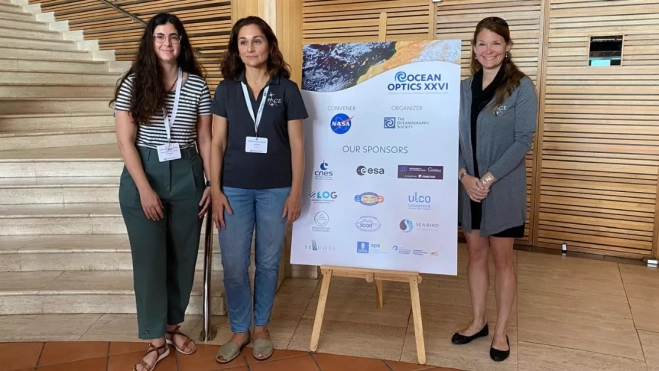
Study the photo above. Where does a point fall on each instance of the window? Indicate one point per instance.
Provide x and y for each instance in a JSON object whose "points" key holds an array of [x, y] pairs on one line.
{"points": [[605, 51]]}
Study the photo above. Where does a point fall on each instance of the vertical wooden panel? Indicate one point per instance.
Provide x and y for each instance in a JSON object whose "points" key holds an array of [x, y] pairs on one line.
{"points": [[289, 24], [600, 146], [458, 19]]}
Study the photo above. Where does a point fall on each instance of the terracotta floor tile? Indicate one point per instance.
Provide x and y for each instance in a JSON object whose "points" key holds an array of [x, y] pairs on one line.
{"points": [[331, 362], [121, 348], [278, 354], [19, 355], [289, 364], [62, 352], [204, 360], [95, 364], [401, 366], [127, 361]]}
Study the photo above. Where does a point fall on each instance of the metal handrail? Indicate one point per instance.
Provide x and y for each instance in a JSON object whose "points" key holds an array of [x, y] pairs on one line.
{"points": [[208, 332]]}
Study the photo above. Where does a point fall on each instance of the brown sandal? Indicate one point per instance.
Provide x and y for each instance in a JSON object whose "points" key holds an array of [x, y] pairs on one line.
{"points": [[185, 343], [161, 356]]}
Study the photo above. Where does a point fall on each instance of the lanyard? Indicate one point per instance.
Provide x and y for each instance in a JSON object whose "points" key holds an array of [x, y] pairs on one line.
{"points": [[169, 120], [257, 119]]}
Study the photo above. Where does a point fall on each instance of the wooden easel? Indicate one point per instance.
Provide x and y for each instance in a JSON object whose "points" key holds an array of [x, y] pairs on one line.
{"points": [[378, 276]]}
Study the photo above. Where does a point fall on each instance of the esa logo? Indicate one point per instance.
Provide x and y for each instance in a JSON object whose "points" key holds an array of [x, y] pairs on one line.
{"points": [[341, 123], [322, 197], [368, 224], [324, 173], [363, 170], [369, 199]]}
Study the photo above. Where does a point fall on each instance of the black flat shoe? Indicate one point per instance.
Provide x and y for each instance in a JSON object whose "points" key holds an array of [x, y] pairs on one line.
{"points": [[460, 339], [500, 355]]}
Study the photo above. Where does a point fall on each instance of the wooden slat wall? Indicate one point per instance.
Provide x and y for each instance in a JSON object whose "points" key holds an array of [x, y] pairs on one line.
{"points": [[334, 21], [600, 149], [208, 23], [458, 19]]}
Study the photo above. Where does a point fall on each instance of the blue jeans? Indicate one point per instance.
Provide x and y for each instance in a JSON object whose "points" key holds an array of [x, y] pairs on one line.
{"points": [[262, 207]]}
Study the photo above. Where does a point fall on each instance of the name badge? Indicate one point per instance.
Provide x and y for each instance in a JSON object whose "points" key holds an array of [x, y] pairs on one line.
{"points": [[256, 145], [168, 152]]}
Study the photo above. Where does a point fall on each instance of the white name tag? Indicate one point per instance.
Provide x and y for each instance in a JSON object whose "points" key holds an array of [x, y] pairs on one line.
{"points": [[168, 152], [256, 145]]}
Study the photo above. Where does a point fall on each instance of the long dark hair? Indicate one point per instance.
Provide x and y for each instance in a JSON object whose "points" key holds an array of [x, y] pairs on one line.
{"points": [[231, 64], [512, 75], [149, 91]]}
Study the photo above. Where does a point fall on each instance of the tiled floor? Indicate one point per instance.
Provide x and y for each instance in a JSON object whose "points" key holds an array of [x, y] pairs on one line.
{"points": [[571, 314], [107, 356]]}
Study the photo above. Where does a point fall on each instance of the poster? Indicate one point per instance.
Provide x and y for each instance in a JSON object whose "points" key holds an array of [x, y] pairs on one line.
{"points": [[380, 187]]}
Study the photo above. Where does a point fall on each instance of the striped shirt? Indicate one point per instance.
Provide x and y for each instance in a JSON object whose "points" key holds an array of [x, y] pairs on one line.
{"points": [[195, 101]]}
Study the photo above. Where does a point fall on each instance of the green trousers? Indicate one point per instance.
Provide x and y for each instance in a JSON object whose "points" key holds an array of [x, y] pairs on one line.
{"points": [[164, 252]]}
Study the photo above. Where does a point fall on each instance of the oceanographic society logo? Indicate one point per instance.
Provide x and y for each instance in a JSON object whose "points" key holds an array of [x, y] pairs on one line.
{"points": [[418, 82], [341, 123]]}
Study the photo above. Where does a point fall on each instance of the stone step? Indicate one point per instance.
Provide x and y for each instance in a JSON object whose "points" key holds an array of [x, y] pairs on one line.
{"points": [[56, 90], [61, 219], [50, 139], [54, 65], [60, 78], [36, 43], [79, 161], [54, 121], [58, 190], [9, 52], [25, 24], [78, 253], [8, 31], [10, 11], [50, 292], [18, 106]]}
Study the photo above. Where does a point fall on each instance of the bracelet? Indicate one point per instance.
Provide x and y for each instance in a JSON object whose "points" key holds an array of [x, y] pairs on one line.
{"points": [[462, 175], [487, 180], [208, 183]]}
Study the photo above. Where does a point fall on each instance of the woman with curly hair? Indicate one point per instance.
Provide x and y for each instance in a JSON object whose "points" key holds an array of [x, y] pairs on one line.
{"points": [[257, 167], [163, 128]]}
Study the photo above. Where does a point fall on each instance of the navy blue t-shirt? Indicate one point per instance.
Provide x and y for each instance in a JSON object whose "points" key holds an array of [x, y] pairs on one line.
{"points": [[258, 170]]}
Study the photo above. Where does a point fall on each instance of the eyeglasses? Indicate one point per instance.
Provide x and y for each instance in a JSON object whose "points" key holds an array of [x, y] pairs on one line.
{"points": [[500, 21], [160, 38]]}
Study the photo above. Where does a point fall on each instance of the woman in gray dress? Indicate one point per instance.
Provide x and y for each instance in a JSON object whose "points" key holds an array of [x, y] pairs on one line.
{"points": [[498, 115]]}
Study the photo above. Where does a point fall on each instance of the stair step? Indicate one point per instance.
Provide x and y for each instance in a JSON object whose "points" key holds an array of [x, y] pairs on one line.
{"points": [[7, 31], [37, 43], [26, 140], [80, 161], [50, 292], [44, 54], [42, 90], [78, 253], [13, 106], [58, 190], [55, 65], [10, 8], [14, 12], [55, 121], [25, 24], [60, 78], [86, 218]]}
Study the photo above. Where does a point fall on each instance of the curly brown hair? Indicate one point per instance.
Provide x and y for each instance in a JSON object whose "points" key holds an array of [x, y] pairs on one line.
{"points": [[231, 65], [148, 89], [512, 75]]}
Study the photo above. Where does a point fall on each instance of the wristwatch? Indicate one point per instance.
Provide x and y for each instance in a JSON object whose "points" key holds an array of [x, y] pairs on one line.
{"points": [[462, 175]]}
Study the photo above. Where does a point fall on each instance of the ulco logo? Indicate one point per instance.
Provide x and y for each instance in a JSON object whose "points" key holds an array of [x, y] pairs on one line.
{"points": [[406, 225], [368, 224], [418, 201], [322, 196], [417, 82], [363, 170], [341, 123], [369, 199], [324, 173]]}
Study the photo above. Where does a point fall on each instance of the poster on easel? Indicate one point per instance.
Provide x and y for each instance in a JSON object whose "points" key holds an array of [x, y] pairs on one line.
{"points": [[380, 186]]}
